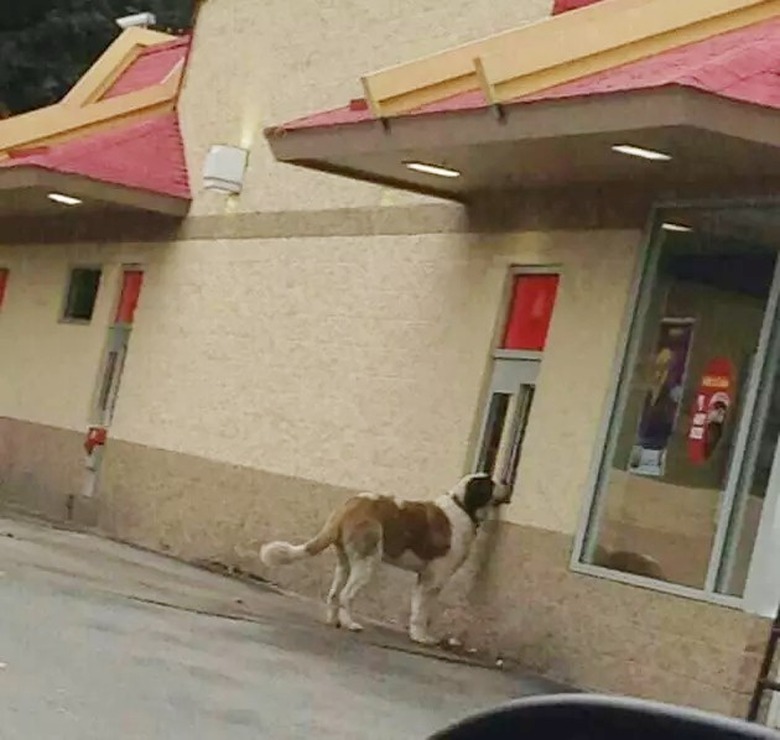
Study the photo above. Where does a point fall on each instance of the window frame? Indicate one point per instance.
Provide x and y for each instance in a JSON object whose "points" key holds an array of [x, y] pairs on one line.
{"points": [[63, 318], [755, 598]]}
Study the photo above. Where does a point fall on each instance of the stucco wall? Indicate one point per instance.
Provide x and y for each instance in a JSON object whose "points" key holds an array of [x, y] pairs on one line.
{"points": [[353, 361], [258, 64], [48, 368], [359, 362]]}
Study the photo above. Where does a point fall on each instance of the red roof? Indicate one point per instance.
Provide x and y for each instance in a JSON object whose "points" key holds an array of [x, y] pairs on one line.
{"points": [[563, 6], [151, 67], [147, 156], [741, 65]]}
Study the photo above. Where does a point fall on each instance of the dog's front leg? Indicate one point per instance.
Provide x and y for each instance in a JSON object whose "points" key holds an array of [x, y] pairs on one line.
{"points": [[424, 595]]}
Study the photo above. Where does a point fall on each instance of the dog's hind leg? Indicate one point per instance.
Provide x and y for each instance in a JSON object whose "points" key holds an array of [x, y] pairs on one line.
{"points": [[339, 581], [362, 569]]}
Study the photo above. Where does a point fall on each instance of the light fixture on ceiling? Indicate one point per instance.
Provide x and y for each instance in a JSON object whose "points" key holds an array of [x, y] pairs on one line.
{"points": [[65, 200], [136, 20], [641, 152], [432, 169], [681, 228]]}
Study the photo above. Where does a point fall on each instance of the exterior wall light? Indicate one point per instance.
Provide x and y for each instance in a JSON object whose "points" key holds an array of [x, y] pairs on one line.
{"points": [[224, 169], [140, 20]]}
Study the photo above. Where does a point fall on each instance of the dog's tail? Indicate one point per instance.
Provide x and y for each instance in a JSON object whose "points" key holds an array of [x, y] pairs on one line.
{"points": [[283, 553]]}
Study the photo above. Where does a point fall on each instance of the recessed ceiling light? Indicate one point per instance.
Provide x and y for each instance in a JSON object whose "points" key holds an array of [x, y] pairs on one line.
{"points": [[432, 169], [66, 200], [638, 151], [675, 227]]}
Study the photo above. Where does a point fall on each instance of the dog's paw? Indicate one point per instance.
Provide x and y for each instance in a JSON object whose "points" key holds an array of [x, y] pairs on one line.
{"points": [[423, 638], [346, 621]]}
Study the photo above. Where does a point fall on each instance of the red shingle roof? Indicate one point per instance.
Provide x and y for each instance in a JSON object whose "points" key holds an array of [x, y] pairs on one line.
{"points": [[742, 65], [151, 67], [147, 156], [563, 6]]}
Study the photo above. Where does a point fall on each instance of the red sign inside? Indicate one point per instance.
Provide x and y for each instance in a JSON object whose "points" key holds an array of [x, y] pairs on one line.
{"points": [[714, 398]]}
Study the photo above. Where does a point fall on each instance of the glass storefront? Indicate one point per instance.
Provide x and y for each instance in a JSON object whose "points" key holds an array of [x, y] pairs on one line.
{"points": [[697, 415]]}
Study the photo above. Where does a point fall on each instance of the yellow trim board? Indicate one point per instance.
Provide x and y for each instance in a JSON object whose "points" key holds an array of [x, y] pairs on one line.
{"points": [[58, 122], [115, 60], [559, 49], [509, 80]]}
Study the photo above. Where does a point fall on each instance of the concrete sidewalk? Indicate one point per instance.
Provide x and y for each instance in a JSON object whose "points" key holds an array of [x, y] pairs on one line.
{"points": [[102, 639]]}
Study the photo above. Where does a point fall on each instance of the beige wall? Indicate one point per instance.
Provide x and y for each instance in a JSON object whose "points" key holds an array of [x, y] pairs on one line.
{"points": [[258, 64], [359, 362], [48, 369]]}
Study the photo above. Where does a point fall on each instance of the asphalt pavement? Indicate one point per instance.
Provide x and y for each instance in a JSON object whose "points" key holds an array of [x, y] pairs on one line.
{"points": [[101, 640]]}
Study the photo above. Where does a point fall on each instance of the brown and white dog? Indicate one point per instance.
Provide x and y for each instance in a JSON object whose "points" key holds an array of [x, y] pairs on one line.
{"points": [[430, 538]]}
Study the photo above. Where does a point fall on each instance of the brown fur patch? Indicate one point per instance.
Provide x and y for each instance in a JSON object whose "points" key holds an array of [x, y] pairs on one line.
{"points": [[419, 527]]}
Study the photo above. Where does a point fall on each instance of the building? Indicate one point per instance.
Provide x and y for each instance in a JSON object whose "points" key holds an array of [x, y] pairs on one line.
{"points": [[581, 296]]}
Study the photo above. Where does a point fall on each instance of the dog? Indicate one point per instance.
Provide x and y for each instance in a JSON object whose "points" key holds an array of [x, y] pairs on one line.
{"points": [[430, 538]]}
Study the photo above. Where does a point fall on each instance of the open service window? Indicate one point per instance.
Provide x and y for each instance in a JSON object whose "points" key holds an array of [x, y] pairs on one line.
{"points": [[684, 474], [516, 363]]}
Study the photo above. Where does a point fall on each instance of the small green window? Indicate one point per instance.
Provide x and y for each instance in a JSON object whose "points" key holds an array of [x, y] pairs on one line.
{"points": [[82, 294]]}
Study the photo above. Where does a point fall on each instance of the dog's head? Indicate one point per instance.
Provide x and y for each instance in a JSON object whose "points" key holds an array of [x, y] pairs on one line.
{"points": [[478, 493]]}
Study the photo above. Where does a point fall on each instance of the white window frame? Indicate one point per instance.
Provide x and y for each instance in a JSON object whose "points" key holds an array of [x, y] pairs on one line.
{"points": [[762, 590]]}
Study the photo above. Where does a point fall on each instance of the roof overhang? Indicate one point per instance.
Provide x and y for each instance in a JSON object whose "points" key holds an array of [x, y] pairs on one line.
{"points": [[25, 190], [113, 143], [550, 143]]}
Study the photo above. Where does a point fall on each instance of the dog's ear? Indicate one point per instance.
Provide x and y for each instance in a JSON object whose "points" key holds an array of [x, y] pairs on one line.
{"points": [[478, 493]]}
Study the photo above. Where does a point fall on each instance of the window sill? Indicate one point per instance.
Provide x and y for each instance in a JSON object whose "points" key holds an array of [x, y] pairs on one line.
{"points": [[672, 589], [75, 322]]}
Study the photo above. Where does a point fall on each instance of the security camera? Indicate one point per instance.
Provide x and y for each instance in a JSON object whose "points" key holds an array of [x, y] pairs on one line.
{"points": [[137, 19]]}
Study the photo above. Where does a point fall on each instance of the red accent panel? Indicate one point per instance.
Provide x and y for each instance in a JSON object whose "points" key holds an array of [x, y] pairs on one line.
{"points": [[151, 68], [3, 284], [561, 6], [132, 280], [96, 437], [533, 300]]}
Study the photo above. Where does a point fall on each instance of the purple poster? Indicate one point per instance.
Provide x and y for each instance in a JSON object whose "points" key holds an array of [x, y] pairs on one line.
{"points": [[661, 406]]}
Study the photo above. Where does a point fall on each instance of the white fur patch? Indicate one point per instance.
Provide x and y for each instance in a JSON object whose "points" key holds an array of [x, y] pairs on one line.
{"points": [[408, 561], [462, 531]]}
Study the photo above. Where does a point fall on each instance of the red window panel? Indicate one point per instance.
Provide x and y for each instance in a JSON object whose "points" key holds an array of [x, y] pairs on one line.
{"points": [[132, 280], [3, 283], [561, 6], [530, 311]]}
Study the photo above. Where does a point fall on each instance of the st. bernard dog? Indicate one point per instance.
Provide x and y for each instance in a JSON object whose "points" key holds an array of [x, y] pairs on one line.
{"points": [[430, 538]]}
